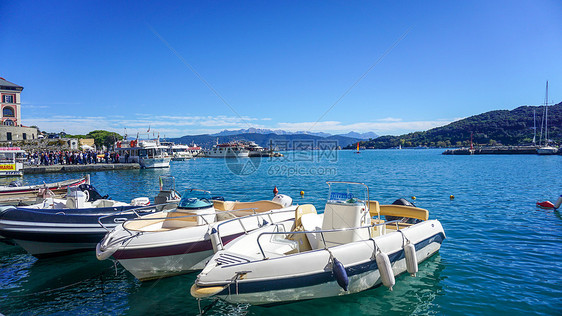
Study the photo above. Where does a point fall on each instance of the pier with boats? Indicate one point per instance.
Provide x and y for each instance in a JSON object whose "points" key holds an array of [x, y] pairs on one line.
{"points": [[499, 150]]}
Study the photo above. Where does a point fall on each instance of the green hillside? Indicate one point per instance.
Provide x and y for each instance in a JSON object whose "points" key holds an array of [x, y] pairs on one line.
{"points": [[504, 127]]}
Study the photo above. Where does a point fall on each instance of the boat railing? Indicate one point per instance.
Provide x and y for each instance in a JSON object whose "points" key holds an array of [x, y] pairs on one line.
{"points": [[256, 215], [142, 218], [134, 211], [322, 231]]}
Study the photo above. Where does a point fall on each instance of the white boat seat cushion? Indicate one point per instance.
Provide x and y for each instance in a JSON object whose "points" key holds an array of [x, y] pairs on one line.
{"points": [[312, 222]]}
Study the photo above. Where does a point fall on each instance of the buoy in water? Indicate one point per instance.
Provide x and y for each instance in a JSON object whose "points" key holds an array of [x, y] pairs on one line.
{"points": [[547, 205], [452, 197], [275, 191], [215, 240], [302, 193], [339, 273], [385, 270], [411, 259], [413, 197]]}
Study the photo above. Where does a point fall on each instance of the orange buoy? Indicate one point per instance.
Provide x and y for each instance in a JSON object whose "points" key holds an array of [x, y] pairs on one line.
{"points": [[275, 191]]}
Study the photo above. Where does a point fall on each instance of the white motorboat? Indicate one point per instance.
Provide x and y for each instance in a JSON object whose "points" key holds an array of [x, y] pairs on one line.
{"points": [[178, 240], [228, 150], [59, 226], [10, 165], [148, 153], [342, 251], [180, 152]]}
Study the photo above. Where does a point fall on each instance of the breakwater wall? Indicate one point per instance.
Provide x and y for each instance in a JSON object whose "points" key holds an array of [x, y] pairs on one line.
{"points": [[80, 168], [494, 150]]}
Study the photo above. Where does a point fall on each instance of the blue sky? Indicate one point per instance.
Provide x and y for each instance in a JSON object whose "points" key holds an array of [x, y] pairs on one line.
{"points": [[89, 65]]}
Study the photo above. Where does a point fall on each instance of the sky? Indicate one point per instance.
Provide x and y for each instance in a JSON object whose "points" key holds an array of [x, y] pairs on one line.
{"points": [[194, 67]]}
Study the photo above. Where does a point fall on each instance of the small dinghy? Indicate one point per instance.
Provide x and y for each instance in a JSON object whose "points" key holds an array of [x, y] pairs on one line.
{"points": [[347, 249], [180, 240], [16, 191], [60, 226]]}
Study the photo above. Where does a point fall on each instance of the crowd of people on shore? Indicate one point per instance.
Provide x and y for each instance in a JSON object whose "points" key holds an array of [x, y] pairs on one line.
{"points": [[47, 158]]}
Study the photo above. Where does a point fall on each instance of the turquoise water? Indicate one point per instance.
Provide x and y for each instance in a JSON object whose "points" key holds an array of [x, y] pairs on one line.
{"points": [[501, 255]]}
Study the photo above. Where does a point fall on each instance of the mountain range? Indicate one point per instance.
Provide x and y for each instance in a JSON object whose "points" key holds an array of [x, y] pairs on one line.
{"points": [[251, 130], [286, 141]]}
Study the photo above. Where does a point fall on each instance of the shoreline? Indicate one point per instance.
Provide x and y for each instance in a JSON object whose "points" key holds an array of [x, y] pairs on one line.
{"points": [[79, 168]]}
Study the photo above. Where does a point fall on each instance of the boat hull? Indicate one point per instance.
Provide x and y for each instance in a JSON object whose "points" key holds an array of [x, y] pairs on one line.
{"points": [[166, 261], [308, 275], [228, 155], [547, 150], [44, 233], [155, 163], [57, 187], [151, 255]]}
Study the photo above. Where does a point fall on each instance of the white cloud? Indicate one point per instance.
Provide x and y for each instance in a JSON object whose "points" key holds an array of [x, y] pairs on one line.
{"points": [[173, 126], [390, 119]]}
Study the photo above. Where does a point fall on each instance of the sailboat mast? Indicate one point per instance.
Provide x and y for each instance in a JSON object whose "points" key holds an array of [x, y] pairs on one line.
{"points": [[546, 116], [534, 127]]}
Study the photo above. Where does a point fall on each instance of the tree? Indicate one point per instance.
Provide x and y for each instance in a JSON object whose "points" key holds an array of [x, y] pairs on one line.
{"points": [[104, 138]]}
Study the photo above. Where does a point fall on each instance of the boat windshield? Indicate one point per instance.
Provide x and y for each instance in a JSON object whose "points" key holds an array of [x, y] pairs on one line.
{"points": [[195, 199], [348, 192]]}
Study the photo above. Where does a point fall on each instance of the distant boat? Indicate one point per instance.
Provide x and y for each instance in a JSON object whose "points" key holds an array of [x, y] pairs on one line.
{"points": [[357, 152], [546, 149], [148, 153], [228, 150]]}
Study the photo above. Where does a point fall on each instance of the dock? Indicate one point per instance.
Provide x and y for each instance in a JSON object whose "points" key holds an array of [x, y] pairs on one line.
{"points": [[79, 168], [494, 150]]}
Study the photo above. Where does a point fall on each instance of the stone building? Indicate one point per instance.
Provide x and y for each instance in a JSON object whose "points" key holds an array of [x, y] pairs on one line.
{"points": [[10, 105]]}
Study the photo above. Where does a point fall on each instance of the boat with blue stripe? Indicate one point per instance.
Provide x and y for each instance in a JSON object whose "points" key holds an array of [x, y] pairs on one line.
{"points": [[354, 245]]}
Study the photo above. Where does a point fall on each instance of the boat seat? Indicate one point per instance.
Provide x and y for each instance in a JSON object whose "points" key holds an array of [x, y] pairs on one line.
{"points": [[179, 220], [103, 203], [312, 222], [70, 202], [260, 206], [398, 211], [378, 230], [302, 241], [223, 216]]}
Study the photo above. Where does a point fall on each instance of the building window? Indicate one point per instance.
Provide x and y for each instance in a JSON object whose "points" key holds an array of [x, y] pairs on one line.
{"points": [[24, 136], [9, 136], [8, 112], [8, 98], [9, 122]]}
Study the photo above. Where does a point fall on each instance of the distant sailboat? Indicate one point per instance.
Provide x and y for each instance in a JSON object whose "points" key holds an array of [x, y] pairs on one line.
{"points": [[357, 152], [546, 149]]}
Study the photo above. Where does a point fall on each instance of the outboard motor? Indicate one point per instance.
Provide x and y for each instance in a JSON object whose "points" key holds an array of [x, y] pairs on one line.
{"points": [[93, 194], [406, 220]]}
